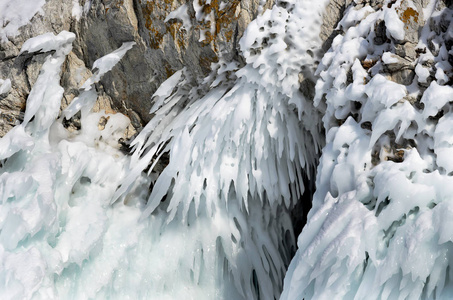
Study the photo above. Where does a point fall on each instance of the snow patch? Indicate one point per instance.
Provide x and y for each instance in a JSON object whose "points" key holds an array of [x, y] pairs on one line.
{"points": [[15, 14]]}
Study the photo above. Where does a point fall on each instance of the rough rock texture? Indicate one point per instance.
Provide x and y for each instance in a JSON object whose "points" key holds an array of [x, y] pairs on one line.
{"points": [[333, 14], [201, 34]]}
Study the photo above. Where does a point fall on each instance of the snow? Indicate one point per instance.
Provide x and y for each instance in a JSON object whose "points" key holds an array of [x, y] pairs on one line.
{"points": [[381, 91], [389, 58], [435, 97], [422, 73], [181, 14], [5, 86], [15, 14], [77, 10], [393, 24]]}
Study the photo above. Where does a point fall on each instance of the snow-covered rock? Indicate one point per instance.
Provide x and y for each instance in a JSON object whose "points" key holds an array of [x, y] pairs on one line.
{"points": [[377, 229]]}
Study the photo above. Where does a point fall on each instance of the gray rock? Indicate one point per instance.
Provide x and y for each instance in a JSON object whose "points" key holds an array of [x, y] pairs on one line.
{"points": [[163, 45], [401, 70], [406, 51], [333, 15], [412, 18]]}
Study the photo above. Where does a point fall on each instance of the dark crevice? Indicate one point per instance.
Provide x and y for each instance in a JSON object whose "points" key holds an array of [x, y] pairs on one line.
{"points": [[300, 211], [139, 16]]}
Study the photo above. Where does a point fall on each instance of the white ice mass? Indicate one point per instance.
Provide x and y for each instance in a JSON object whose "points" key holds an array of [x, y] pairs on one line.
{"points": [[80, 219]]}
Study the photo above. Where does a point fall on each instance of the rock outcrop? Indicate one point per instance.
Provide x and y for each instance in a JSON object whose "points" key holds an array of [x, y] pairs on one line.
{"points": [[169, 36]]}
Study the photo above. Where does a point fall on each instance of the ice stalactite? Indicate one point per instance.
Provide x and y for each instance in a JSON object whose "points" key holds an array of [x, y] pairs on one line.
{"points": [[238, 147]]}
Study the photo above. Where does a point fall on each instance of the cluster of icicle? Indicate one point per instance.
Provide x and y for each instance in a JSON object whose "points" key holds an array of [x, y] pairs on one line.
{"points": [[381, 230], [239, 145]]}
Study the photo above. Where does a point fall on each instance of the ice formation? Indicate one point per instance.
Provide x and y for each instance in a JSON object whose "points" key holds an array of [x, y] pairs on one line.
{"points": [[56, 187], [239, 146], [80, 219], [380, 223], [15, 14]]}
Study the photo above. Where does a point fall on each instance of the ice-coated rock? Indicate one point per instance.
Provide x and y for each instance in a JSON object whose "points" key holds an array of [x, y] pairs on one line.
{"points": [[376, 229]]}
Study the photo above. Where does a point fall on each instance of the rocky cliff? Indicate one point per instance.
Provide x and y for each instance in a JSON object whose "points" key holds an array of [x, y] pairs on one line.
{"points": [[169, 36]]}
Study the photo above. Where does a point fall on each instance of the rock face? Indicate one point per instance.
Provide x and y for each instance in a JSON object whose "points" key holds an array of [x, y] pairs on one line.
{"points": [[169, 35]]}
